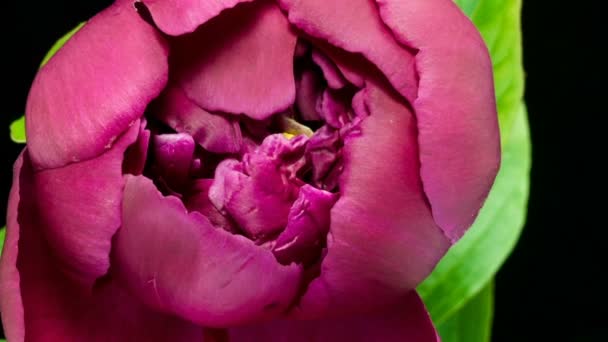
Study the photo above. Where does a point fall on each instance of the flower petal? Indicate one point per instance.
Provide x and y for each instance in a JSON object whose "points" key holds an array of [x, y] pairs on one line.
{"points": [[79, 208], [176, 17], [11, 304], [259, 191], [214, 132], [197, 199], [179, 263], [231, 68], [173, 154], [405, 320], [309, 89], [308, 224], [332, 74], [456, 109], [137, 154], [383, 240], [69, 117], [355, 26], [40, 303]]}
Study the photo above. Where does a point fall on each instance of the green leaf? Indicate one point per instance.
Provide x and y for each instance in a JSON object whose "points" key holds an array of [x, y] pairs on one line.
{"points": [[18, 130], [473, 322], [474, 260], [58, 44], [18, 126], [2, 237]]}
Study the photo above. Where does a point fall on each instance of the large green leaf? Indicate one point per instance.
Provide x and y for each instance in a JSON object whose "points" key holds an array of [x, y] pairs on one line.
{"points": [[473, 322], [18, 126], [472, 263]]}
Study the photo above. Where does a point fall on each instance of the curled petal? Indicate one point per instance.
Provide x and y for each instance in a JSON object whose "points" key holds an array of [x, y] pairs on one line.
{"points": [[197, 199], [40, 303], [70, 118], [231, 68], [383, 240], [179, 263], [355, 26], [307, 226], [176, 17], [137, 154], [456, 109], [405, 320], [259, 191], [11, 303], [309, 90], [216, 133], [332, 74], [79, 208], [173, 157]]}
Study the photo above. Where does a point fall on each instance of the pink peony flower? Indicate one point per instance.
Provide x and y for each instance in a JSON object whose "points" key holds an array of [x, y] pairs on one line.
{"points": [[247, 171]]}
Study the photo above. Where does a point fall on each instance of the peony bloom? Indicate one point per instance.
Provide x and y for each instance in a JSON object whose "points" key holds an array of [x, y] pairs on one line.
{"points": [[247, 171]]}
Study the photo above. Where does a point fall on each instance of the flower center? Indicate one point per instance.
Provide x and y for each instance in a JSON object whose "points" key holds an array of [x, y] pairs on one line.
{"points": [[273, 180]]}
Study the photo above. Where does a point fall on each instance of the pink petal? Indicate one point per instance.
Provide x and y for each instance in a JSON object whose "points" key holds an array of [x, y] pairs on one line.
{"points": [[94, 87], [179, 263], [334, 109], [307, 226], [137, 154], [173, 155], [215, 132], [332, 74], [11, 304], [232, 68], [405, 320], [176, 17], [309, 89], [383, 240], [259, 191], [79, 207], [39, 303], [355, 26], [197, 199], [456, 109]]}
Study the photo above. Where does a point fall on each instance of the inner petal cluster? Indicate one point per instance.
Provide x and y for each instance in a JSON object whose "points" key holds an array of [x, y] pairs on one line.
{"points": [[271, 178]]}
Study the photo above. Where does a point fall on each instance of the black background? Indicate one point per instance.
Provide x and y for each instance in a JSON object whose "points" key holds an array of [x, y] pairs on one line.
{"points": [[552, 287]]}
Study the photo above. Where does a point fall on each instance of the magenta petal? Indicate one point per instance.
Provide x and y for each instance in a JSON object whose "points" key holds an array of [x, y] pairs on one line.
{"points": [[383, 240], [198, 200], [173, 155], [176, 17], [179, 263], [137, 154], [79, 207], [323, 150], [232, 68], [39, 303], [355, 26], [307, 226], [69, 117], [334, 109], [11, 304], [259, 191], [332, 74], [405, 320], [456, 109], [309, 90], [215, 132]]}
